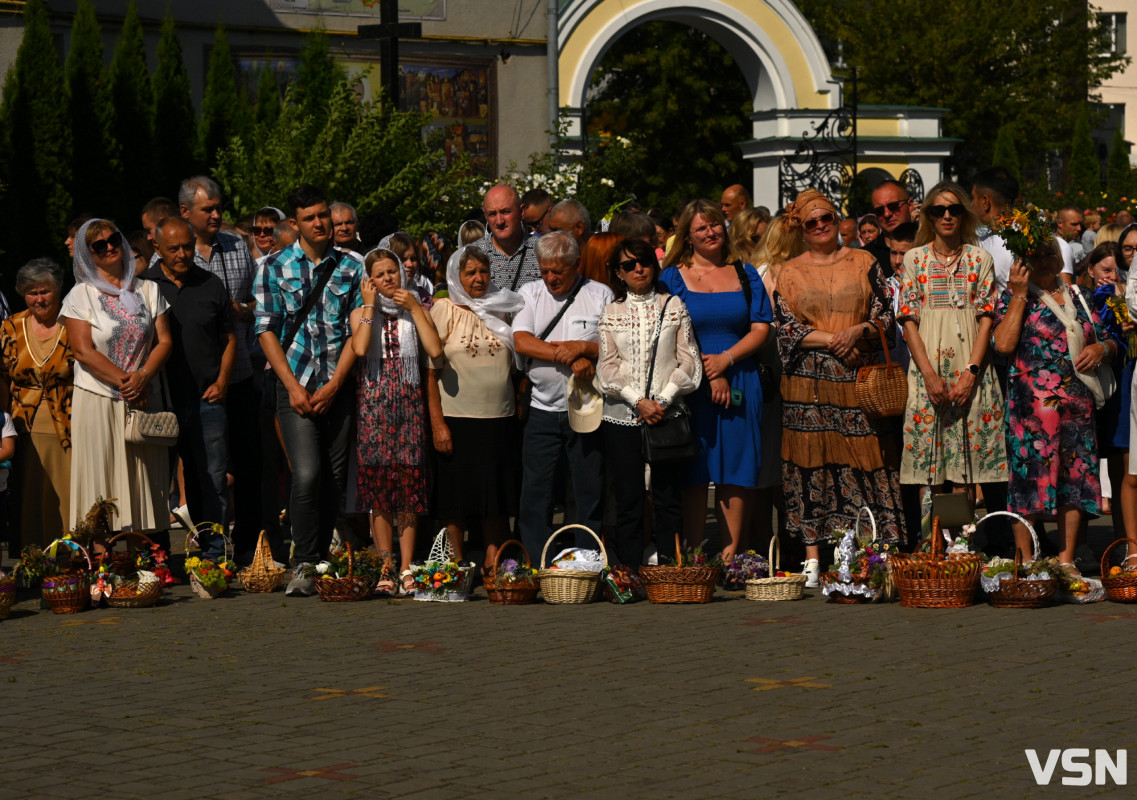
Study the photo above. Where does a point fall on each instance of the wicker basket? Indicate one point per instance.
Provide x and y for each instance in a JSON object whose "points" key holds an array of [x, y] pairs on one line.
{"points": [[68, 592], [938, 580], [569, 586], [1016, 592], [1118, 588], [262, 576], [130, 593], [7, 596], [344, 590], [122, 561], [884, 593], [199, 588], [514, 593], [882, 389], [442, 552], [788, 587], [680, 584]]}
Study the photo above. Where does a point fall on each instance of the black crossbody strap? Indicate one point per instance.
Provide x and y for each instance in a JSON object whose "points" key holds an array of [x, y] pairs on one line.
{"points": [[655, 348], [549, 328], [520, 265], [309, 303]]}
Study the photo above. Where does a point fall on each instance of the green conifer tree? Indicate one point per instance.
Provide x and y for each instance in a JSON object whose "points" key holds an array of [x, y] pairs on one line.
{"points": [[268, 98], [35, 139], [95, 163], [1119, 173], [1083, 174], [1006, 155], [175, 121], [318, 75], [224, 112], [132, 106]]}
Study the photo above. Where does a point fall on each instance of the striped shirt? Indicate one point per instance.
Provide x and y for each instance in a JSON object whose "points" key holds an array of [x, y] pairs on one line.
{"points": [[283, 283]]}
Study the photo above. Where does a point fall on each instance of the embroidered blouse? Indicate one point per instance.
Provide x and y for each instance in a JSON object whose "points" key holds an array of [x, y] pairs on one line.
{"points": [[627, 332], [34, 383], [475, 365]]}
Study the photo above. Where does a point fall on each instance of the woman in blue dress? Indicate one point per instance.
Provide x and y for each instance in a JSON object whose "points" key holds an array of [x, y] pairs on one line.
{"points": [[730, 313]]}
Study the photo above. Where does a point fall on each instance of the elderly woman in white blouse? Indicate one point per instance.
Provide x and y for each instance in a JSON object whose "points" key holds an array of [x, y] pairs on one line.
{"points": [[628, 332]]}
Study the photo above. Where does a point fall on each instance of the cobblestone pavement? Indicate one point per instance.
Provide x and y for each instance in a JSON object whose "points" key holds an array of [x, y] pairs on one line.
{"points": [[258, 696]]}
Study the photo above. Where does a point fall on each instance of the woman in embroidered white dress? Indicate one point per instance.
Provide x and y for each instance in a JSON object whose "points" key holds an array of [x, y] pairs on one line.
{"points": [[628, 330], [471, 397], [120, 335], [953, 424]]}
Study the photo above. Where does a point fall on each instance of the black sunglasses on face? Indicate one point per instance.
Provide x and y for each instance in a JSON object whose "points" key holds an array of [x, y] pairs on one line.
{"points": [[825, 219], [893, 207], [99, 246], [955, 209], [267, 230], [629, 264]]}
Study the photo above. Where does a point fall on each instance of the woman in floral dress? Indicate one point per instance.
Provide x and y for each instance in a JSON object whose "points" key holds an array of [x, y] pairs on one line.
{"points": [[1055, 343], [392, 478], [953, 425]]}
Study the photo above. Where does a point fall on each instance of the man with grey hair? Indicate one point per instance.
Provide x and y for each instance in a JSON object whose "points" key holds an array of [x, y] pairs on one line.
{"points": [[557, 336], [345, 223], [227, 257], [572, 217]]}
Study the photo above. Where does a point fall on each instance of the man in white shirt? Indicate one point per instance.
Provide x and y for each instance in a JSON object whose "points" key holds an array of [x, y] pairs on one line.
{"points": [[1070, 231], [556, 335]]}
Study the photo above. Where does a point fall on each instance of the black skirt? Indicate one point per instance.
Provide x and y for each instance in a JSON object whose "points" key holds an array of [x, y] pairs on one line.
{"points": [[482, 476]]}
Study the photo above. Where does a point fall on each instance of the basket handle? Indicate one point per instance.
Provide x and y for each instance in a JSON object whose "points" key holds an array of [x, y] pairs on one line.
{"points": [[1105, 555], [74, 545], [1033, 534], [350, 560], [562, 529], [505, 544], [225, 538], [262, 556], [872, 520], [883, 342], [678, 551], [937, 539], [136, 534], [775, 541]]}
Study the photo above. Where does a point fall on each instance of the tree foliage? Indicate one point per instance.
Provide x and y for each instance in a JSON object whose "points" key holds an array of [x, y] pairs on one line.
{"points": [[1031, 63], [132, 108], [363, 153], [1083, 174], [268, 98], [224, 112], [1006, 154], [95, 161], [681, 99], [35, 145], [1119, 180], [317, 76], [175, 120]]}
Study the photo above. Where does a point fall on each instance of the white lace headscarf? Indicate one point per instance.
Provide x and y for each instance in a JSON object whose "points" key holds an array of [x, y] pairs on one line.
{"points": [[86, 271], [494, 308], [380, 348]]}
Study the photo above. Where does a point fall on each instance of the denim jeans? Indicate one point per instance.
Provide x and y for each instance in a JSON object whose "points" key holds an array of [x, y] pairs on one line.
{"points": [[547, 434], [316, 447], [204, 450]]}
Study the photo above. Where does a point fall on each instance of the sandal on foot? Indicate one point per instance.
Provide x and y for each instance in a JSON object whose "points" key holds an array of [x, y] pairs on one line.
{"points": [[1070, 569], [408, 583], [1129, 563], [385, 587]]}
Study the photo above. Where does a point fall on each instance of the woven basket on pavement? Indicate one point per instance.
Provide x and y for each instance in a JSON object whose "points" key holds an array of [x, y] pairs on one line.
{"points": [[787, 587], [262, 575], [569, 586], [1016, 592], [510, 593], [680, 584], [937, 580], [1119, 588]]}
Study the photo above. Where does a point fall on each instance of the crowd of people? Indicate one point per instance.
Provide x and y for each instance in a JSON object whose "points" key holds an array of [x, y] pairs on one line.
{"points": [[332, 366]]}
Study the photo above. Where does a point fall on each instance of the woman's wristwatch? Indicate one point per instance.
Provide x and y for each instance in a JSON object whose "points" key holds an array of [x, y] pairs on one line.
{"points": [[973, 369]]}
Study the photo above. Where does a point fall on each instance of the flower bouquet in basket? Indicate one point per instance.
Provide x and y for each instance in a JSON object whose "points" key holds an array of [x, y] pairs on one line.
{"points": [[347, 575], [208, 578], [862, 573], [441, 579], [64, 580], [742, 567], [509, 581], [622, 585], [130, 578]]}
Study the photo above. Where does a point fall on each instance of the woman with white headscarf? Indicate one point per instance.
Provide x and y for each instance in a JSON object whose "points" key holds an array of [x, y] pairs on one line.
{"points": [[386, 332], [119, 333], [472, 402]]}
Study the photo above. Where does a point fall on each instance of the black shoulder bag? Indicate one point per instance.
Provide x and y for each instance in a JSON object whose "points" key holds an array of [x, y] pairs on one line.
{"points": [[523, 391], [765, 374], [268, 390], [670, 439]]}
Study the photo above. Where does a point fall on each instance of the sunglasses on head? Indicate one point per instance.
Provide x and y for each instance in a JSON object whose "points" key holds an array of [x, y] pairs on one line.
{"points": [[825, 219], [265, 230], [100, 246], [629, 264], [893, 207], [955, 209]]}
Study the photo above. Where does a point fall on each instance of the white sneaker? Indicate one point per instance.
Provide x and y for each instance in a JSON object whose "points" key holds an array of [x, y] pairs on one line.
{"points": [[651, 556], [812, 569]]}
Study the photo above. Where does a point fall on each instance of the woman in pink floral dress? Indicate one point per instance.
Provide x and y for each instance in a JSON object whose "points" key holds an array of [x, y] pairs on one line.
{"points": [[386, 332], [953, 425]]}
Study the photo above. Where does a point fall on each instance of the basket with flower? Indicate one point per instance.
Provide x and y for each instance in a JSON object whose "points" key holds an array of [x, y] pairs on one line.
{"points": [[1118, 581], [945, 577], [689, 578], [861, 574], [742, 567], [1011, 583], [347, 575], [64, 581], [510, 582], [441, 579], [779, 584], [209, 578], [7, 594], [128, 578]]}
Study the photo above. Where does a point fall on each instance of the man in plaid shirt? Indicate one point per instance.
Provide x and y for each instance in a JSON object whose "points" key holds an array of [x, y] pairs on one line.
{"points": [[310, 354]]}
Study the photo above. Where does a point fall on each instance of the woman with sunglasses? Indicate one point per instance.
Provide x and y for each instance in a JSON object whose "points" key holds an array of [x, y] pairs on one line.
{"points": [[953, 425], [642, 315], [834, 459], [119, 333], [730, 314]]}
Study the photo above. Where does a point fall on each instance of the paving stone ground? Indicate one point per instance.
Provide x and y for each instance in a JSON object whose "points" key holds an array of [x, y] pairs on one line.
{"points": [[263, 696]]}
